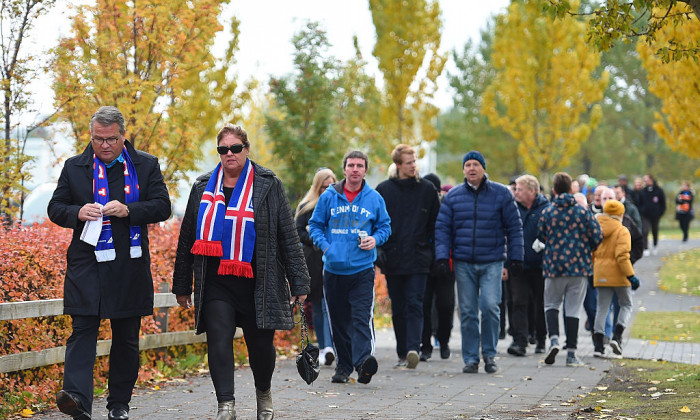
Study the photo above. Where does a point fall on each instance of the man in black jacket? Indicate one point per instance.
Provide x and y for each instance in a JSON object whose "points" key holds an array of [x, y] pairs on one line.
{"points": [[652, 205], [117, 191], [527, 288], [405, 259]]}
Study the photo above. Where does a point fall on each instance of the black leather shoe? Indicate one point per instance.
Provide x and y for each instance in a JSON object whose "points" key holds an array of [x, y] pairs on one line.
{"points": [[490, 365], [118, 414], [68, 404]]}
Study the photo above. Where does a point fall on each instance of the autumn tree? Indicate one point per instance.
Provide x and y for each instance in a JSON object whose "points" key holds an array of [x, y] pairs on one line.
{"points": [[359, 103], [17, 66], [464, 127], [619, 20], [302, 129], [676, 83], [152, 60], [408, 40], [543, 93]]}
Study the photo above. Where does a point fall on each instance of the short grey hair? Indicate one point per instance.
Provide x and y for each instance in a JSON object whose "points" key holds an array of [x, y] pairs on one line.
{"points": [[108, 115], [530, 182]]}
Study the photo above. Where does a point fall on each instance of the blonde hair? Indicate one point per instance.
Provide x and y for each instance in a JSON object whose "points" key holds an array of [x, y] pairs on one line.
{"points": [[311, 197]]}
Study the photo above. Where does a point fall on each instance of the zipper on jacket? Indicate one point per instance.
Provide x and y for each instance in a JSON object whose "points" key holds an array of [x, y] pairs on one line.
{"points": [[476, 200]]}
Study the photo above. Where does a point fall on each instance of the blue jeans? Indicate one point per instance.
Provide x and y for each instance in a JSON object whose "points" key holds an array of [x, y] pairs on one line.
{"points": [[321, 325], [406, 293], [479, 288]]}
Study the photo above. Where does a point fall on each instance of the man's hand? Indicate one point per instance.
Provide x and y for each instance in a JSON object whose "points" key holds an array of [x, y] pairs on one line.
{"points": [[634, 281], [516, 268], [443, 268], [115, 208], [368, 243], [90, 211], [504, 274], [184, 300]]}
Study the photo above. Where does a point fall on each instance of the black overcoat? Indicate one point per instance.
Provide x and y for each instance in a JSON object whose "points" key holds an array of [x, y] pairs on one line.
{"points": [[123, 287], [280, 269]]}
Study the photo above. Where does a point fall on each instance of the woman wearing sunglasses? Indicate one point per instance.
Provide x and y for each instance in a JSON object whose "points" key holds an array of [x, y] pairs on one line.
{"points": [[238, 238]]}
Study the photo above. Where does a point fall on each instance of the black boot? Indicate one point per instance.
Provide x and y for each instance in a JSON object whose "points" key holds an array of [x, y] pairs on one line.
{"points": [[571, 326], [598, 346], [552, 318], [616, 342]]}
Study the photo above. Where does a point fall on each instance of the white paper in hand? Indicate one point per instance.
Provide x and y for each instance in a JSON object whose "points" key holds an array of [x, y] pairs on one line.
{"points": [[91, 231], [538, 246]]}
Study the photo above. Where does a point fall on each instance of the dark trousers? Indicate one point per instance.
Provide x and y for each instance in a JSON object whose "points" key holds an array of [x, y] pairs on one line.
{"points": [[684, 221], [350, 300], [81, 351], [406, 293], [506, 306], [221, 318], [647, 226], [528, 290], [439, 292]]}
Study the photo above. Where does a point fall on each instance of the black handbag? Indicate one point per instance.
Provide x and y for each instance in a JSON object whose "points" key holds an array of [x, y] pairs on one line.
{"points": [[307, 359]]}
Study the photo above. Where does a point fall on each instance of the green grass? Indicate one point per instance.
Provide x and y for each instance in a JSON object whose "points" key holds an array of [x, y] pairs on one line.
{"points": [[674, 232], [681, 273], [645, 389], [667, 326]]}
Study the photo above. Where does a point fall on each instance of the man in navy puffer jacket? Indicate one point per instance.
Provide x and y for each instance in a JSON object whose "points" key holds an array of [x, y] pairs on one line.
{"points": [[476, 221]]}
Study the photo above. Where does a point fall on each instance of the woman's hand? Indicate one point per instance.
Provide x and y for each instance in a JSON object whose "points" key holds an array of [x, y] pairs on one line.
{"points": [[184, 300], [300, 298]]}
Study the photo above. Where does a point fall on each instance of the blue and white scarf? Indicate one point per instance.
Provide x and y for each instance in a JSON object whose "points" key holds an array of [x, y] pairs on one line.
{"points": [[104, 250], [228, 231]]}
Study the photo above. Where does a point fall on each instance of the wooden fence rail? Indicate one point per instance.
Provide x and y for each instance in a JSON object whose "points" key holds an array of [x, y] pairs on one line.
{"points": [[53, 307]]}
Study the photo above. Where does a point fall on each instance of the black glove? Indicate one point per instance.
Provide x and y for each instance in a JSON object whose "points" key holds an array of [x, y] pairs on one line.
{"points": [[634, 281], [443, 268], [516, 268]]}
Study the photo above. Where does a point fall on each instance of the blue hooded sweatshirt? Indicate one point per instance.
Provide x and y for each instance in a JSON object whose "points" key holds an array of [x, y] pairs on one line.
{"points": [[336, 222]]}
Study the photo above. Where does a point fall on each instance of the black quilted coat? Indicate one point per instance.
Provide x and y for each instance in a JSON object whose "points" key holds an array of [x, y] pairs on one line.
{"points": [[280, 268]]}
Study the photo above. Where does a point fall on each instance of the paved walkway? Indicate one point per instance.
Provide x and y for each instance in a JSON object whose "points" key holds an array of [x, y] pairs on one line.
{"points": [[523, 388]]}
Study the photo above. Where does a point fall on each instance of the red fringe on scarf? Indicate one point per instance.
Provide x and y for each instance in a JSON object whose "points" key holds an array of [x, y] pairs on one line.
{"points": [[208, 248], [235, 268]]}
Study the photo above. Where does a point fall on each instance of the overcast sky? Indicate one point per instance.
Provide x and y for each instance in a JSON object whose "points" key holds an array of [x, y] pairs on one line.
{"points": [[267, 27]]}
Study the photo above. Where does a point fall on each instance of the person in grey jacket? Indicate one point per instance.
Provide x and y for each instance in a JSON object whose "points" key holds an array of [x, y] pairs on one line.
{"points": [[239, 239]]}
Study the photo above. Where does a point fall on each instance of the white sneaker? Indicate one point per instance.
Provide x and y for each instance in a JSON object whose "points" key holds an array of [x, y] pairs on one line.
{"points": [[654, 251], [646, 253], [328, 356], [412, 359]]}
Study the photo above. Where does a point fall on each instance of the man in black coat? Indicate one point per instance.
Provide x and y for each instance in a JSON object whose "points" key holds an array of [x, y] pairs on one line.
{"points": [[405, 259], [117, 191]]}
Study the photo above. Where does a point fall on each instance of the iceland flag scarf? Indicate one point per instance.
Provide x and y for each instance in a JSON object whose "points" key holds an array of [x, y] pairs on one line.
{"points": [[228, 231], [104, 250]]}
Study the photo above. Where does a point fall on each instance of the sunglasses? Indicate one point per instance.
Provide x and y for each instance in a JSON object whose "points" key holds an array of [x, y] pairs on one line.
{"points": [[234, 148]]}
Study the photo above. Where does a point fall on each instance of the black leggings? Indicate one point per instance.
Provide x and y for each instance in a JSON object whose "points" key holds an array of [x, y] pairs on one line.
{"points": [[220, 318]]}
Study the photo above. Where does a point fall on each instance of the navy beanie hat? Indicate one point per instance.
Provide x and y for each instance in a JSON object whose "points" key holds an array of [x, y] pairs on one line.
{"points": [[476, 155]]}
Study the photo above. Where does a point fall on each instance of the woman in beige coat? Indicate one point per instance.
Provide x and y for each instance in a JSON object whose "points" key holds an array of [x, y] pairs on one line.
{"points": [[613, 274]]}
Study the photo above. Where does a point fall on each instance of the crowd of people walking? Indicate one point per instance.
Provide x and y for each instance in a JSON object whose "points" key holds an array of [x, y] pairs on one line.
{"points": [[244, 259]]}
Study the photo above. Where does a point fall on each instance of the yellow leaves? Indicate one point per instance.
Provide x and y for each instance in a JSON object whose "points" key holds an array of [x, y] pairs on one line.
{"points": [[27, 413], [684, 409], [407, 33], [152, 60], [675, 83], [544, 87]]}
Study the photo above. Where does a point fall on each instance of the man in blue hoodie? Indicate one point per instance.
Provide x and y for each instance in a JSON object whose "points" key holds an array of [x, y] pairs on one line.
{"points": [[348, 223], [474, 222]]}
